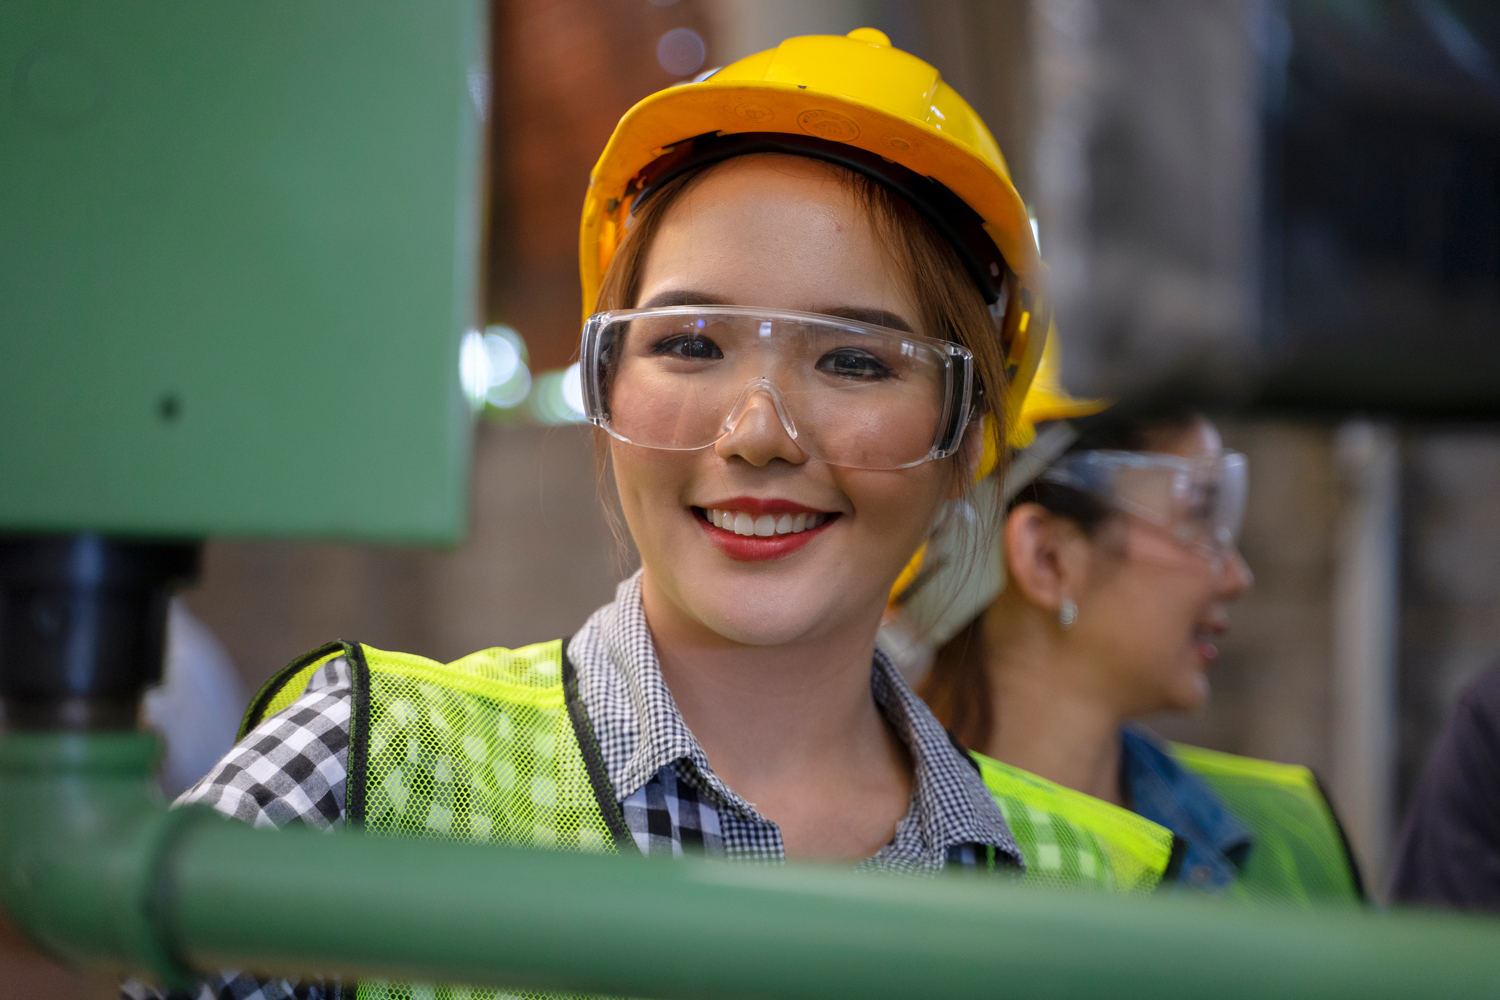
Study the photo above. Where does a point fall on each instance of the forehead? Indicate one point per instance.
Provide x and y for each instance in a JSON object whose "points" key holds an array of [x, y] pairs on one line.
{"points": [[1199, 437], [773, 230]]}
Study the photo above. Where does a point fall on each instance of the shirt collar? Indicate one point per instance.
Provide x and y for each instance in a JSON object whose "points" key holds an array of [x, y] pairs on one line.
{"points": [[1167, 793], [951, 805], [640, 730]]}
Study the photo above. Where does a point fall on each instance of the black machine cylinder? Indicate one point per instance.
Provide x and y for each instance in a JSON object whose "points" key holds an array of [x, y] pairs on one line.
{"points": [[83, 621]]}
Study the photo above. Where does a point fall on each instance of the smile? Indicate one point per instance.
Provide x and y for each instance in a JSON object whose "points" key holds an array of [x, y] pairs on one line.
{"points": [[765, 525], [749, 529]]}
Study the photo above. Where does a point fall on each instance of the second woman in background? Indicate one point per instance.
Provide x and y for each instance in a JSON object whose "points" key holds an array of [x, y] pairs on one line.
{"points": [[1120, 561]]}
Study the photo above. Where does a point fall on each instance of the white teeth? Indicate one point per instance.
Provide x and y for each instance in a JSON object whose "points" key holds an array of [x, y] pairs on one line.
{"points": [[765, 525]]}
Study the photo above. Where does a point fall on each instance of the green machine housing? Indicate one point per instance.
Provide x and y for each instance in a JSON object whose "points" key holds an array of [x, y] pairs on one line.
{"points": [[239, 247]]}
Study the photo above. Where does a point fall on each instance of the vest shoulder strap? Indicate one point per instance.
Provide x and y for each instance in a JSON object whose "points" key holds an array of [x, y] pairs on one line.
{"points": [[1299, 852], [288, 684], [1075, 840]]}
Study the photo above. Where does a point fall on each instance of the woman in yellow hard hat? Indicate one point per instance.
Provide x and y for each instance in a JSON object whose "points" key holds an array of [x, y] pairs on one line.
{"points": [[808, 285]]}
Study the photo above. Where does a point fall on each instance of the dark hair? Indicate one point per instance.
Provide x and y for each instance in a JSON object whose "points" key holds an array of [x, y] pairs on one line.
{"points": [[957, 688], [1121, 428]]}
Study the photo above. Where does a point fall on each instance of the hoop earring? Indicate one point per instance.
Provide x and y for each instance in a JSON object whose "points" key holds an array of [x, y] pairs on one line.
{"points": [[1067, 613]]}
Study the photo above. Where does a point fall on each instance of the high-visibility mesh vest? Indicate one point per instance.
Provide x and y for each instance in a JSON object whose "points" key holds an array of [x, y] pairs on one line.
{"points": [[490, 748], [1075, 841], [496, 747], [1299, 854]]}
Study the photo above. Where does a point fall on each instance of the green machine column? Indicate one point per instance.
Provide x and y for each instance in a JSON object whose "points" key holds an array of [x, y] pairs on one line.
{"points": [[240, 249]]}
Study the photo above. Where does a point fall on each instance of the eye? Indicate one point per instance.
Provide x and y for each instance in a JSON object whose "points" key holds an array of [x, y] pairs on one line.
{"points": [[853, 363], [693, 346]]}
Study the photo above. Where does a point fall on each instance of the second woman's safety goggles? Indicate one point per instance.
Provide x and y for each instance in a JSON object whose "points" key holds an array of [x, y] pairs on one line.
{"points": [[848, 393], [1201, 501]]}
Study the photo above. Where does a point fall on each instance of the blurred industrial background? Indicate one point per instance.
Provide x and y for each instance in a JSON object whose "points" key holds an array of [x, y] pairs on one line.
{"points": [[1319, 176]]}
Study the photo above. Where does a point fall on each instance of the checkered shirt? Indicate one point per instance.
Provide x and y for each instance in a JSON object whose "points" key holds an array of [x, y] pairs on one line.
{"points": [[292, 767]]}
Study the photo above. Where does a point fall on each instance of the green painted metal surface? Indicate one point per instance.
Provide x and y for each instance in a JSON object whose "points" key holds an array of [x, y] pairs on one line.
{"points": [[238, 249], [95, 871]]}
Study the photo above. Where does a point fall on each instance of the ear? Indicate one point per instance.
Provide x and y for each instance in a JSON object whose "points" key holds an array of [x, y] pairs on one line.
{"points": [[1044, 557]]}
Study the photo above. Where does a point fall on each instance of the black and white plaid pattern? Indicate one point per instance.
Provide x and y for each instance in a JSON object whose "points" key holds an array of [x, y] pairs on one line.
{"points": [[239, 986], [667, 816], [293, 768]]}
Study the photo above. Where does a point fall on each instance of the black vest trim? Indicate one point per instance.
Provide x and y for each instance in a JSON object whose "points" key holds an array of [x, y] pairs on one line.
{"points": [[255, 714], [1174, 864], [359, 735], [593, 760], [1355, 875]]}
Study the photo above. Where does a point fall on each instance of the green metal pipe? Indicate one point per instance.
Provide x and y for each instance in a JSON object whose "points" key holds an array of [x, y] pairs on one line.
{"points": [[210, 893]]}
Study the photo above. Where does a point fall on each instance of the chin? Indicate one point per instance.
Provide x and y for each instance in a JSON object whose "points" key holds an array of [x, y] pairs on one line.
{"points": [[752, 619], [1190, 694]]}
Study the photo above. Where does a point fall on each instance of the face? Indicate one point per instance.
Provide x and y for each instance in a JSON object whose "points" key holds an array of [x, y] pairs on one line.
{"points": [[779, 232], [1155, 607]]}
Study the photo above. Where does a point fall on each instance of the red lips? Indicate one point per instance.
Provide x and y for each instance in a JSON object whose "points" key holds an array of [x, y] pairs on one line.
{"points": [[759, 548]]}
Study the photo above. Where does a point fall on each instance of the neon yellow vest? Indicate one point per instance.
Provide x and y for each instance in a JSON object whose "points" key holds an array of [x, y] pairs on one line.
{"points": [[1299, 854], [496, 747], [1073, 840]]}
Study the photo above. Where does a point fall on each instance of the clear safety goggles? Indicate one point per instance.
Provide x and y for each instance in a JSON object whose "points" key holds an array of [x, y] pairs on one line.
{"points": [[852, 394], [1200, 501]]}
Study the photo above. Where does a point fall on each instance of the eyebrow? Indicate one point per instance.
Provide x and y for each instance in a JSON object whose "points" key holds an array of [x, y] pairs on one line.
{"points": [[683, 297], [693, 297], [875, 317]]}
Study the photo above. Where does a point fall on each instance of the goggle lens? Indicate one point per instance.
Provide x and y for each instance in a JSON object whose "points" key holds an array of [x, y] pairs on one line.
{"points": [[1201, 501]]}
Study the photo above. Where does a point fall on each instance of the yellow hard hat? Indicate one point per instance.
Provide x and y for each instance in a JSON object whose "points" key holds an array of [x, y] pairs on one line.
{"points": [[853, 100]]}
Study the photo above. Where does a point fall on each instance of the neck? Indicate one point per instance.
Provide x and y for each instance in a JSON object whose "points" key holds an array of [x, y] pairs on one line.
{"points": [[1048, 718], [793, 728]]}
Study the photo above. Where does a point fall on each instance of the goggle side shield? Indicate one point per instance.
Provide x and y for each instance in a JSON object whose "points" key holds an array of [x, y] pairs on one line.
{"points": [[848, 393]]}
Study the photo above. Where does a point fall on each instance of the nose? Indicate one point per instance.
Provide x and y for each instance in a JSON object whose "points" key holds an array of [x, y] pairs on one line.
{"points": [[1236, 576], [758, 431]]}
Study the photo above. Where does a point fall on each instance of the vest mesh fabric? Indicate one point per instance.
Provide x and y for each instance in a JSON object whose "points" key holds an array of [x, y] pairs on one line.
{"points": [[478, 750], [1298, 855], [1074, 841]]}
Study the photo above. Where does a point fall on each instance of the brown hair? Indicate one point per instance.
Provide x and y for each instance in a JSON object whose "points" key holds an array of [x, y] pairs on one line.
{"points": [[957, 688], [950, 307]]}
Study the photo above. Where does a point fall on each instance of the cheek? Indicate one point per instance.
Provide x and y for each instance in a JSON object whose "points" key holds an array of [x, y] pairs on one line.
{"points": [[894, 510], [1147, 620], [649, 483]]}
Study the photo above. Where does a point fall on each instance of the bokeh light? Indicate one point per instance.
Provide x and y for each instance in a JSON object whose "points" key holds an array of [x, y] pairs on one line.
{"points": [[557, 397], [681, 51], [492, 368], [509, 378]]}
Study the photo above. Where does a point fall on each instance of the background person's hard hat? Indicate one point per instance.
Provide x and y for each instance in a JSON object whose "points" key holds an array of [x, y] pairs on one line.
{"points": [[1046, 400], [878, 105]]}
